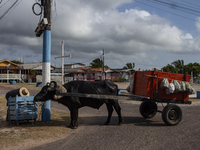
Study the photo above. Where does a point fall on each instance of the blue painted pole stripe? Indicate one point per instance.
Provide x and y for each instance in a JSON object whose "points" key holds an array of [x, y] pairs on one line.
{"points": [[47, 46], [46, 109]]}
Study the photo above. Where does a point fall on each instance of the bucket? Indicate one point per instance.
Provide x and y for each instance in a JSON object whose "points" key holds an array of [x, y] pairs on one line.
{"points": [[13, 82], [198, 94]]}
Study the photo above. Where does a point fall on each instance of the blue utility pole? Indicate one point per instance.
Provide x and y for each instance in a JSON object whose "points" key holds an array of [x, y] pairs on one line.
{"points": [[46, 68], [46, 71]]}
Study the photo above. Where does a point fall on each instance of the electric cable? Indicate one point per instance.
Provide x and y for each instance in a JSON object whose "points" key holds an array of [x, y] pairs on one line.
{"points": [[4, 3], [7, 11], [165, 11], [55, 12], [192, 6], [33, 8], [191, 3], [175, 5]]}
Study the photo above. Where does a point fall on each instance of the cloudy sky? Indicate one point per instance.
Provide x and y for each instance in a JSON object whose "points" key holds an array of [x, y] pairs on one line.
{"points": [[150, 33]]}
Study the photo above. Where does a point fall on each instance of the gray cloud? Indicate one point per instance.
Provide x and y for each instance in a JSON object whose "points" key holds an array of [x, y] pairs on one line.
{"points": [[89, 26]]}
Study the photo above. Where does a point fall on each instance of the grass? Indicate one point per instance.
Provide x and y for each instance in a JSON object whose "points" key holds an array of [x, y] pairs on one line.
{"points": [[194, 99], [18, 85], [11, 134]]}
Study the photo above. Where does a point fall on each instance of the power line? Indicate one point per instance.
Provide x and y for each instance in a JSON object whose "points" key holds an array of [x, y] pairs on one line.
{"points": [[192, 6], [190, 3], [14, 5], [177, 7], [55, 12], [165, 11], [4, 3]]}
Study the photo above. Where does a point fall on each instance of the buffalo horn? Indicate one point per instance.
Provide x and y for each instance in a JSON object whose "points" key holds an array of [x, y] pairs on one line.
{"points": [[53, 84]]}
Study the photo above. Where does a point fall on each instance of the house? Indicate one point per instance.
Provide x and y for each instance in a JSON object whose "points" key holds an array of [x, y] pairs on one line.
{"points": [[73, 65], [30, 70], [9, 71], [126, 73], [91, 74]]}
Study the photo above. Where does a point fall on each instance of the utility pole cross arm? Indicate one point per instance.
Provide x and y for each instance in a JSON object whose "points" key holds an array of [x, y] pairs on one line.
{"points": [[63, 56]]}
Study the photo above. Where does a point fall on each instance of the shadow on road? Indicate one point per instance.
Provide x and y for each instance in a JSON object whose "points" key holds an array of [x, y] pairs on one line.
{"points": [[138, 121], [90, 121]]}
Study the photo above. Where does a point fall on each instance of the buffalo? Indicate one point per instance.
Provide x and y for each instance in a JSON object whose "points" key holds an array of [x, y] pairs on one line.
{"points": [[105, 87]]}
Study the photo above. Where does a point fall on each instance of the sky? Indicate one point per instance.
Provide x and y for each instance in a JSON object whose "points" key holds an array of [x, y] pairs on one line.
{"points": [[149, 33]]}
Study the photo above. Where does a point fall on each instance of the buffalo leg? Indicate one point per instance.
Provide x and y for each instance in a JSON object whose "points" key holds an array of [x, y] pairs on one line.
{"points": [[115, 104], [118, 110], [110, 111], [74, 118]]}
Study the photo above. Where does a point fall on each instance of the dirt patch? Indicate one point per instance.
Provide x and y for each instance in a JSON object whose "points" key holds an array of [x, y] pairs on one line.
{"points": [[28, 134], [122, 85], [12, 135]]}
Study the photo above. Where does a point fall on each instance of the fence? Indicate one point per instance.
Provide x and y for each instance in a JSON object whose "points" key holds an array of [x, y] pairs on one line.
{"points": [[10, 77], [89, 79]]}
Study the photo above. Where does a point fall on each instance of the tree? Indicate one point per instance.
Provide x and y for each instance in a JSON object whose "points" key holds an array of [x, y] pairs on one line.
{"points": [[179, 65], [129, 66], [169, 68], [193, 67], [97, 63], [16, 62]]}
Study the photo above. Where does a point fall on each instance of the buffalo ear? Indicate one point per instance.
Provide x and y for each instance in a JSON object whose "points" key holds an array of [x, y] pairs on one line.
{"points": [[48, 84], [60, 89]]}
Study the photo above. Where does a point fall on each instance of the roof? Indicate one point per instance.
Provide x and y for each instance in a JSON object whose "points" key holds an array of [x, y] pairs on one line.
{"points": [[33, 66], [69, 70], [30, 65], [8, 64], [87, 70], [101, 70]]}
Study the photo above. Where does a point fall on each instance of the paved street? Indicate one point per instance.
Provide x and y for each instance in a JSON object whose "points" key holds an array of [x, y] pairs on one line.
{"points": [[135, 132]]}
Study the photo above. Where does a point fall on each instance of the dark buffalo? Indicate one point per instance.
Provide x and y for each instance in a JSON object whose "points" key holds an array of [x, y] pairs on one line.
{"points": [[105, 87]]}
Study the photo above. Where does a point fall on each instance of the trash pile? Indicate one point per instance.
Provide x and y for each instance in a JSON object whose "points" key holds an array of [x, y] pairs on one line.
{"points": [[176, 86]]}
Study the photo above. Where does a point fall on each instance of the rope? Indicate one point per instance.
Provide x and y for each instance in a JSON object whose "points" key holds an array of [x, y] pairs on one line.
{"points": [[39, 114]]}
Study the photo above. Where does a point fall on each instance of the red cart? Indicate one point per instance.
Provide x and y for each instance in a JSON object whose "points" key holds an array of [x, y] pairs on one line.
{"points": [[147, 84]]}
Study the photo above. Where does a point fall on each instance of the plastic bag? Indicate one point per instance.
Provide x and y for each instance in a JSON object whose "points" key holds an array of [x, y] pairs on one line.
{"points": [[183, 88], [164, 83], [170, 89], [177, 86], [189, 88], [187, 85]]}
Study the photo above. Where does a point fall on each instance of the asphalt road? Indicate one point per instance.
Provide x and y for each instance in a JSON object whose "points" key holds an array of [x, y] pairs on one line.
{"points": [[135, 132]]}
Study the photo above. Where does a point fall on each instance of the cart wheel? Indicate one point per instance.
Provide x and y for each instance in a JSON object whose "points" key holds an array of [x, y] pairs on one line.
{"points": [[172, 114], [148, 109]]}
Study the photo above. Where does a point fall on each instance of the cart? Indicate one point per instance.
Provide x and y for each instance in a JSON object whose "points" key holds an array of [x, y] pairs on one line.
{"points": [[147, 84], [22, 108], [146, 88]]}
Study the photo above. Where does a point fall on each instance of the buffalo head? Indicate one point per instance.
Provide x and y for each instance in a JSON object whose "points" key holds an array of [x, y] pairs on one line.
{"points": [[48, 92]]}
